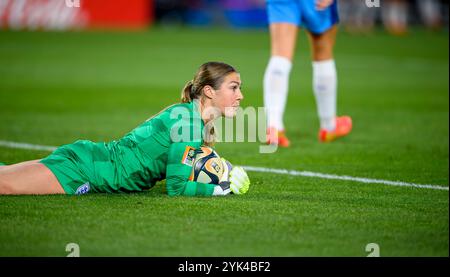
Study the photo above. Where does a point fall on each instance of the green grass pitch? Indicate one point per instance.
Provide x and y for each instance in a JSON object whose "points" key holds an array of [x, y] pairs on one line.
{"points": [[56, 88]]}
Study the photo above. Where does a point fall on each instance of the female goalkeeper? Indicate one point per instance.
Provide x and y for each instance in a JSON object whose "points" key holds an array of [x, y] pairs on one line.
{"points": [[160, 148]]}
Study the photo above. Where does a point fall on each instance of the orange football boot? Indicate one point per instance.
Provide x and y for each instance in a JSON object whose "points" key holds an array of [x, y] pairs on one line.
{"points": [[275, 136], [343, 128]]}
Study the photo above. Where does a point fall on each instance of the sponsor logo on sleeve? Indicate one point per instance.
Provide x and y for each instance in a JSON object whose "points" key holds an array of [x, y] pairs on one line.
{"points": [[188, 156]]}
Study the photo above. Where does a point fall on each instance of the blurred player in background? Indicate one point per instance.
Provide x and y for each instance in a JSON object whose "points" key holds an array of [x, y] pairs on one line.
{"points": [[319, 18], [395, 15], [147, 154], [356, 17], [430, 12]]}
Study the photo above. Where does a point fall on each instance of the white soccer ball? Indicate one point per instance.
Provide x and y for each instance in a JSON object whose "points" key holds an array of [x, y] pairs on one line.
{"points": [[208, 167]]}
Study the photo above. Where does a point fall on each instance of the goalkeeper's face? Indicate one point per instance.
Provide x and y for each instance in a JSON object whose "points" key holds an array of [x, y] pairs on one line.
{"points": [[228, 97]]}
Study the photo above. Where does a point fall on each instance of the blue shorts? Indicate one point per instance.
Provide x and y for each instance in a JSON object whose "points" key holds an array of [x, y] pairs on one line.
{"points": [[303, 13]]}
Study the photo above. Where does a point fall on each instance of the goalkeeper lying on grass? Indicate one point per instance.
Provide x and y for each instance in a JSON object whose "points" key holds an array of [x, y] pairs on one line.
{"points": [[153, 151]]}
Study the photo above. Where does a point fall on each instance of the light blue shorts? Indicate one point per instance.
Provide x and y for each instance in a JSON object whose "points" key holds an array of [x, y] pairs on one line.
{"points": [[303, 13]]}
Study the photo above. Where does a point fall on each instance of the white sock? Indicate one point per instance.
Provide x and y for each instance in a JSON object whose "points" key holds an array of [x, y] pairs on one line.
{"points": [[276, 83], [325, 86]]}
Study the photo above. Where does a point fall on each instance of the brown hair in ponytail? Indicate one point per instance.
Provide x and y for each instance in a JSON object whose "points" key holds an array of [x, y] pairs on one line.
{"points": [[209, 74], [186, 92]]}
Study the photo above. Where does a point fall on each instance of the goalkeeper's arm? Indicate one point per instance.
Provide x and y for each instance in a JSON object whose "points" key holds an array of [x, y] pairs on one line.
{"points": [[179, 168]]}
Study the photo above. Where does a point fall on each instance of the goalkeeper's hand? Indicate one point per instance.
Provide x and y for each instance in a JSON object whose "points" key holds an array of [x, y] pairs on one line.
{"points": [[239, 181]]}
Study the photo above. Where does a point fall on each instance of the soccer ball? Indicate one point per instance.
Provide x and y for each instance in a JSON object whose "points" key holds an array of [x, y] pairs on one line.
{"points": [[208, 167]]}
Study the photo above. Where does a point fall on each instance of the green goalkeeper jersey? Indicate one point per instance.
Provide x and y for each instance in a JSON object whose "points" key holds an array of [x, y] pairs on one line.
{"points": [[160, 148]]}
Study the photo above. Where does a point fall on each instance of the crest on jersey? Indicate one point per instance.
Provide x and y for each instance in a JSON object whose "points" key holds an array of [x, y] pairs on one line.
{"points": [[83, 189]]}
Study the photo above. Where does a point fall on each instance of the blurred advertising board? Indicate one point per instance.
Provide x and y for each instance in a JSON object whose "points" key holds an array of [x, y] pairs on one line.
{"points": [[75, 14]]}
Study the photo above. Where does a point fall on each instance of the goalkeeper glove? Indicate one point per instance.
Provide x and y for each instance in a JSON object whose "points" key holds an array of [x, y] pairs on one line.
{"points": [[239, 181], [234, 180], [223, 188]]}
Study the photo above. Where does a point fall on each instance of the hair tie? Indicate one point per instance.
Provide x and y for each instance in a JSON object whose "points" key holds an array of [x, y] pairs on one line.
{"points": [[192, 87]]}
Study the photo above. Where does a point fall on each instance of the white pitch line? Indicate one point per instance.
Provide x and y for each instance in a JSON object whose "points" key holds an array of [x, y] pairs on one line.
{"points": [[341, 177], [20, 145], [29, 146]]}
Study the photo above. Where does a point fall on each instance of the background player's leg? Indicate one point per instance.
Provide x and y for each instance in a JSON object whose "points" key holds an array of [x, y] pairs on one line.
{"points": [[325, 87], [324, 76], [276, 78], [29, 177], [283, 37]]}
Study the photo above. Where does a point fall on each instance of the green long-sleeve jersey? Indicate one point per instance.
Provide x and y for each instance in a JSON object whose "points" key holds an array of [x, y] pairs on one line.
{"points": [[161, 148]]}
